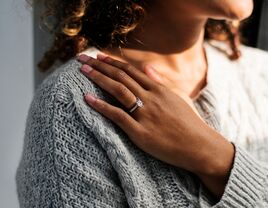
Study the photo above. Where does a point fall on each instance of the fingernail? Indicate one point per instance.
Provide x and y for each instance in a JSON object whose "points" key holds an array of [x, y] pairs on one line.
{"points": [[83, 58], [151, 69], [153, 73], [86, 68], [101, 56], [90, 98]]}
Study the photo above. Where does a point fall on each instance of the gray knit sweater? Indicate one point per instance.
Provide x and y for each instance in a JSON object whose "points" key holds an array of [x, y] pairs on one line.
{"points": [[75, 157]]}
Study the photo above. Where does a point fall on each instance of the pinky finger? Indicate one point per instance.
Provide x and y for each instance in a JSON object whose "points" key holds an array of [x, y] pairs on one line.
{"points": [[117, 115]]}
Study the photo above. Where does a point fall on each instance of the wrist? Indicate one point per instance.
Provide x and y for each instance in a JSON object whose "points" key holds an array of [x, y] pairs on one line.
{"points": [[216, 158], [217, 161]]}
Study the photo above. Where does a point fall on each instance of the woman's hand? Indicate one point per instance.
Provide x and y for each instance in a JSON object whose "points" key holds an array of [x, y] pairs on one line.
{"points": [[166, 126], [153, 74]]}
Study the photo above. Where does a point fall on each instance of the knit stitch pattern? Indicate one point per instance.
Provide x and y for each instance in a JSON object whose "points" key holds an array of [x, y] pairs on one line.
{"points": [[75, 157]]}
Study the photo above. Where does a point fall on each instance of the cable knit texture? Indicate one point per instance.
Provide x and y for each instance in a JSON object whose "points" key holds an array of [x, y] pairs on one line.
{"points": [[75, 157]]}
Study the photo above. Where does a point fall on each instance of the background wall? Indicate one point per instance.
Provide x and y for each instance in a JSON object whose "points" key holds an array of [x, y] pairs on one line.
{"points": [[16, 90], [263, 32], [22, 44]]}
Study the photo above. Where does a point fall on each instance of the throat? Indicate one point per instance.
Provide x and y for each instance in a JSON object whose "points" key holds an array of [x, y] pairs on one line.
{"points": [[177, 53], [189, 83]]}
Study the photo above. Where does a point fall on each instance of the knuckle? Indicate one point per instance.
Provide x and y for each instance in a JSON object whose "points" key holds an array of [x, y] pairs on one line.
{"points": [[119, 116], [100, 105], [95, 77], [120, 75], [128, 67], [160, 88], [93, 62], [110, 60], [121, 90]]}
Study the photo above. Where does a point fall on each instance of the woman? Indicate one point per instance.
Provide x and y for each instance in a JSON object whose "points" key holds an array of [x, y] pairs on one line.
{"points": [[159, 119]]}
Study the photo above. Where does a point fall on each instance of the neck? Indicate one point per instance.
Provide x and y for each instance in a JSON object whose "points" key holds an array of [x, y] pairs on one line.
{"points": [[170, 44], [175, 40]]}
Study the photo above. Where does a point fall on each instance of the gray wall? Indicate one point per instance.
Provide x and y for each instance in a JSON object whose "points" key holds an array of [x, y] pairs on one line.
{"points": [[41, 41], [263, 33], [22, 44], [16, 90]]}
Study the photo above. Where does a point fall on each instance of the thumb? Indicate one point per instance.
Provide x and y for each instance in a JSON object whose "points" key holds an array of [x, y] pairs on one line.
{"points": [[151, 72]]}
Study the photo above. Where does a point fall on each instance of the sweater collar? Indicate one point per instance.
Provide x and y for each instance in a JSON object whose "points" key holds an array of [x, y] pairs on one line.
{"points": [[215, 95]]}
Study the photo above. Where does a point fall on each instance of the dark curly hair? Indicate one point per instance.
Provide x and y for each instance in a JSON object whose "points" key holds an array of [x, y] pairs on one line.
{"points": [[79, 24]]}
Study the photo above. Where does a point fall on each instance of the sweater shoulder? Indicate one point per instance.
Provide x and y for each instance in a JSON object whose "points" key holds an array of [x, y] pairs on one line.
{"points": [[62, 147], [56, 91], [67, 86], [62, 79], [67, 77]]}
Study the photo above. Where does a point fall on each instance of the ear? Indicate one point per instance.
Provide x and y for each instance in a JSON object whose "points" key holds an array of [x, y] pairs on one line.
{"points": [[151, 72]]}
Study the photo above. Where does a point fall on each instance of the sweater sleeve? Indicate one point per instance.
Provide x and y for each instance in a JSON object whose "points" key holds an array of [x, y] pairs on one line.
{"points": [[247, 185], [63, 164]]}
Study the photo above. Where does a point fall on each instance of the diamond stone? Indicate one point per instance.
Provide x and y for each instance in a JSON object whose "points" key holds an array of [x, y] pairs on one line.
{"points": [[139, 102]]}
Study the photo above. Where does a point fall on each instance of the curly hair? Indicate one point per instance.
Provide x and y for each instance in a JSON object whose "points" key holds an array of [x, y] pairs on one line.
{"points": [[79, 24]]}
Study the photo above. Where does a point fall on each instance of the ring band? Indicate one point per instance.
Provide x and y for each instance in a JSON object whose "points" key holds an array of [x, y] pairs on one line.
{"points": [[137, 104]]}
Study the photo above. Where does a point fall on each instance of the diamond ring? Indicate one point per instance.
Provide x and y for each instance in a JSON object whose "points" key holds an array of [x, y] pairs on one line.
{"points": [[137, 104]]}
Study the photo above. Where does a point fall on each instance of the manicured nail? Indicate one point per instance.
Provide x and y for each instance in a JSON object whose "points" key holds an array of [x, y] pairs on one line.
{"points": [[151, 69], [101, 56], [152, 72], [83, 58], [90, 98], [86, 68]]}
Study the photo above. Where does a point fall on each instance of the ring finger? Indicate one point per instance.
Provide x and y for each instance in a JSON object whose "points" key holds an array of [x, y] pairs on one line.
{"points": [[118, 90]]}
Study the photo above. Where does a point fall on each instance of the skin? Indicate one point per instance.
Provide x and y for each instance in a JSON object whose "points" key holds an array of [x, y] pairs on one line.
{"points": [[166, 77]]}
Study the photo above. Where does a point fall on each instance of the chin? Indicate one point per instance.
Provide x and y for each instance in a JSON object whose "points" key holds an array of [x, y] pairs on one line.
{"points": [[239, 9]]}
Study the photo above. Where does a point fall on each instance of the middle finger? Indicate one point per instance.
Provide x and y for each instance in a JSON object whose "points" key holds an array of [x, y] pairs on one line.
{"points": [[117, 89], [113, 72]]}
